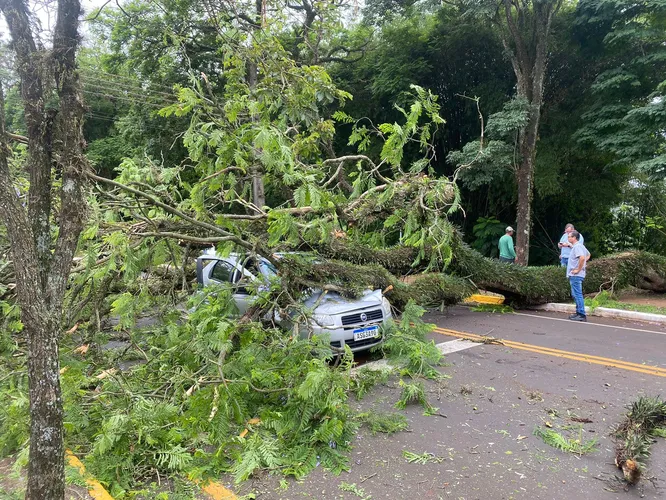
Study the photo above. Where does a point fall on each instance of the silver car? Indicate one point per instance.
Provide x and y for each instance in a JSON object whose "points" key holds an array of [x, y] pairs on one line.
{"points": [[355, 323]]}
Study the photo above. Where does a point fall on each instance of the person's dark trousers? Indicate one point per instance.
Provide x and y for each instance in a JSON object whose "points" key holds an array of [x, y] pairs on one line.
{"points": [[564, 261], [506, 260], [577, 294]]}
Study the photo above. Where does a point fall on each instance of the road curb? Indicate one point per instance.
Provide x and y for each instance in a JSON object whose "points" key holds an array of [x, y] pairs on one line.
{"points": [[606, 312]]}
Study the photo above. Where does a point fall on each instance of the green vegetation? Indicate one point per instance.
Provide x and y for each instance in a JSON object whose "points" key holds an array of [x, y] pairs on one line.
{"points": [[493, 308], [422, 459], [605, 299], [366, 379], [414, 393], [576, 445], [304, 128], [202, 382], [386, 423], [635, 434], [352, 488]]}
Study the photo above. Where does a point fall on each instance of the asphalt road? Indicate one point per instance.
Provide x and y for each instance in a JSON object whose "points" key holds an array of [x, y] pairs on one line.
{"points": [[631, 341], [576, 378]]}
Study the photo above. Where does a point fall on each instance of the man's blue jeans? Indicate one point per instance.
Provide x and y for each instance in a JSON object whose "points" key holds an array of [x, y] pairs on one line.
{"points": [[577, 293], [564, 261]]}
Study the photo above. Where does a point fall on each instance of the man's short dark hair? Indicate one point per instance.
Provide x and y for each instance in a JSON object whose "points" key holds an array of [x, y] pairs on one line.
{"points": [[575, 234]]}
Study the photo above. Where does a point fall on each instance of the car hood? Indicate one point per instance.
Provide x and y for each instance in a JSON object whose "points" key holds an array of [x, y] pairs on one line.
{"points": [[334, 303]]}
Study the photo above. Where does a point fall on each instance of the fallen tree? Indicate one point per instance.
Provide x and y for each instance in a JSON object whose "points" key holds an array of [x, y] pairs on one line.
{"points": [[203, 376], [536, 285], [469, 271]]}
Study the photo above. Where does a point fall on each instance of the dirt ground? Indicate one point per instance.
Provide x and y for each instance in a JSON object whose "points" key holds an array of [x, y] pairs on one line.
{"points": [[12, 485], [644, 298]]}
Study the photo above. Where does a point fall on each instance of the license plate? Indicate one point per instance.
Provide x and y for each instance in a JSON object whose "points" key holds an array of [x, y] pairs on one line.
{"points": [[367, 332]]}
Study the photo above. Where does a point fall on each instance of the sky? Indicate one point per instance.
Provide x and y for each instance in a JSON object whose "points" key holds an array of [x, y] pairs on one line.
{"points": [[45, 11]]}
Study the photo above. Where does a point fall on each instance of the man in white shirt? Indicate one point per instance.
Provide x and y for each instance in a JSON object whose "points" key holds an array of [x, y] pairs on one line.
{"points": [[565, 246], [576, 264]]}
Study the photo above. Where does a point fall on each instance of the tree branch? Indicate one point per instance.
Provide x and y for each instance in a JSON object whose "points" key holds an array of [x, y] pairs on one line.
{"points": [[173, 211], [70, 146], [187, 237], [38, 123]]}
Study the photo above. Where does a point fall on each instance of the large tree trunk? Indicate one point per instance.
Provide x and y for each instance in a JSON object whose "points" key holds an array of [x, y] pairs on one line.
{"points": [[256, 170], [524, 174], [42, 261], [525, 181], [469, 271], [46, 465], [528, 52]]}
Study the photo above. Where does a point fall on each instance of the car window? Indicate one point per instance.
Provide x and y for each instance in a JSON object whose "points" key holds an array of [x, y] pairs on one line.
{"points": [[267, 268], [221, 272]]}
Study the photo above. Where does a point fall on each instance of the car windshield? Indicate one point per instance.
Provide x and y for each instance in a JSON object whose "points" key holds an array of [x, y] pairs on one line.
{"points": [[267, 269]]}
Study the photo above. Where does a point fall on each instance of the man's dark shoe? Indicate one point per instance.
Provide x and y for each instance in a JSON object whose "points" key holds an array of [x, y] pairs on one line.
{"points": [[573, 316], [578, 317]]}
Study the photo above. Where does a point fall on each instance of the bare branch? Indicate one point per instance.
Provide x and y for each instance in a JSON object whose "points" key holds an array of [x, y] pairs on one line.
{"points": [[223, 171], [18, 138], [187, 237], [99, 11]]}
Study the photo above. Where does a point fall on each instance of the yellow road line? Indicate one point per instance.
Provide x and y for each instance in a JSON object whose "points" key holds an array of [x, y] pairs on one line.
{"points": [[95, 489], [218, 492], [558, 351], [575, 356]]}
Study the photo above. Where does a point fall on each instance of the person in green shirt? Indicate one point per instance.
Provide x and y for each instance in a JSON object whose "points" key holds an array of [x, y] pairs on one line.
{"points": [[507, 253]]}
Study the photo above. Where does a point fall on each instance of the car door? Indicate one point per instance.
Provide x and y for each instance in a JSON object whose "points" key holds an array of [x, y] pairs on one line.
{"points": [[230, 272], [222, 272], [240, 278]]}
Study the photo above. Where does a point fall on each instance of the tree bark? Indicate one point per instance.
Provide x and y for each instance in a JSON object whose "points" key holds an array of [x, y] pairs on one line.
{"points": [[525, 185], [528, 50], [41, 262], [256, 170], [469, 270]]}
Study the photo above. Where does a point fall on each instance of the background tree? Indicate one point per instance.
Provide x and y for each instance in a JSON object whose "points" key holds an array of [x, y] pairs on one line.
{"points": [[43, 225], [628, 116], [524, 29]]}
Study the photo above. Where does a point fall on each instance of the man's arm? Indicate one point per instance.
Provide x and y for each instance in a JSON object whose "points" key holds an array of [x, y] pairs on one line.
{"points": [[511, 250], [564, 241], [581, 261]]}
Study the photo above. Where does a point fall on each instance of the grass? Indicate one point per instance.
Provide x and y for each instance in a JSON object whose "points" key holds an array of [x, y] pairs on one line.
{"points": [[424, 458], [387, 423], [556, 440], [605, 299]]}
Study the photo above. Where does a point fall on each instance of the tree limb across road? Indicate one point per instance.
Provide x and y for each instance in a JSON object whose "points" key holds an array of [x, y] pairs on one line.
{"points": [[521, 285]]}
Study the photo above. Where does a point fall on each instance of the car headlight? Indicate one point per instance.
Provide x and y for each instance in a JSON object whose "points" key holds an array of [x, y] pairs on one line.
{"points": [[323, 319], [386, 306]]}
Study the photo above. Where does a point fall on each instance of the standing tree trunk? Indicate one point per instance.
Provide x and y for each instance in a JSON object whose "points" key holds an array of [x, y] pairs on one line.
{"points": [[256, 170], [43, 243], [525, 32]]}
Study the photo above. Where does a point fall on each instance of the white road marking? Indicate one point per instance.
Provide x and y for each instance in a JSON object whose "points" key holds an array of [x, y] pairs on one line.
{"points": [[444, 348], [456, 345], [588, 323]]}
